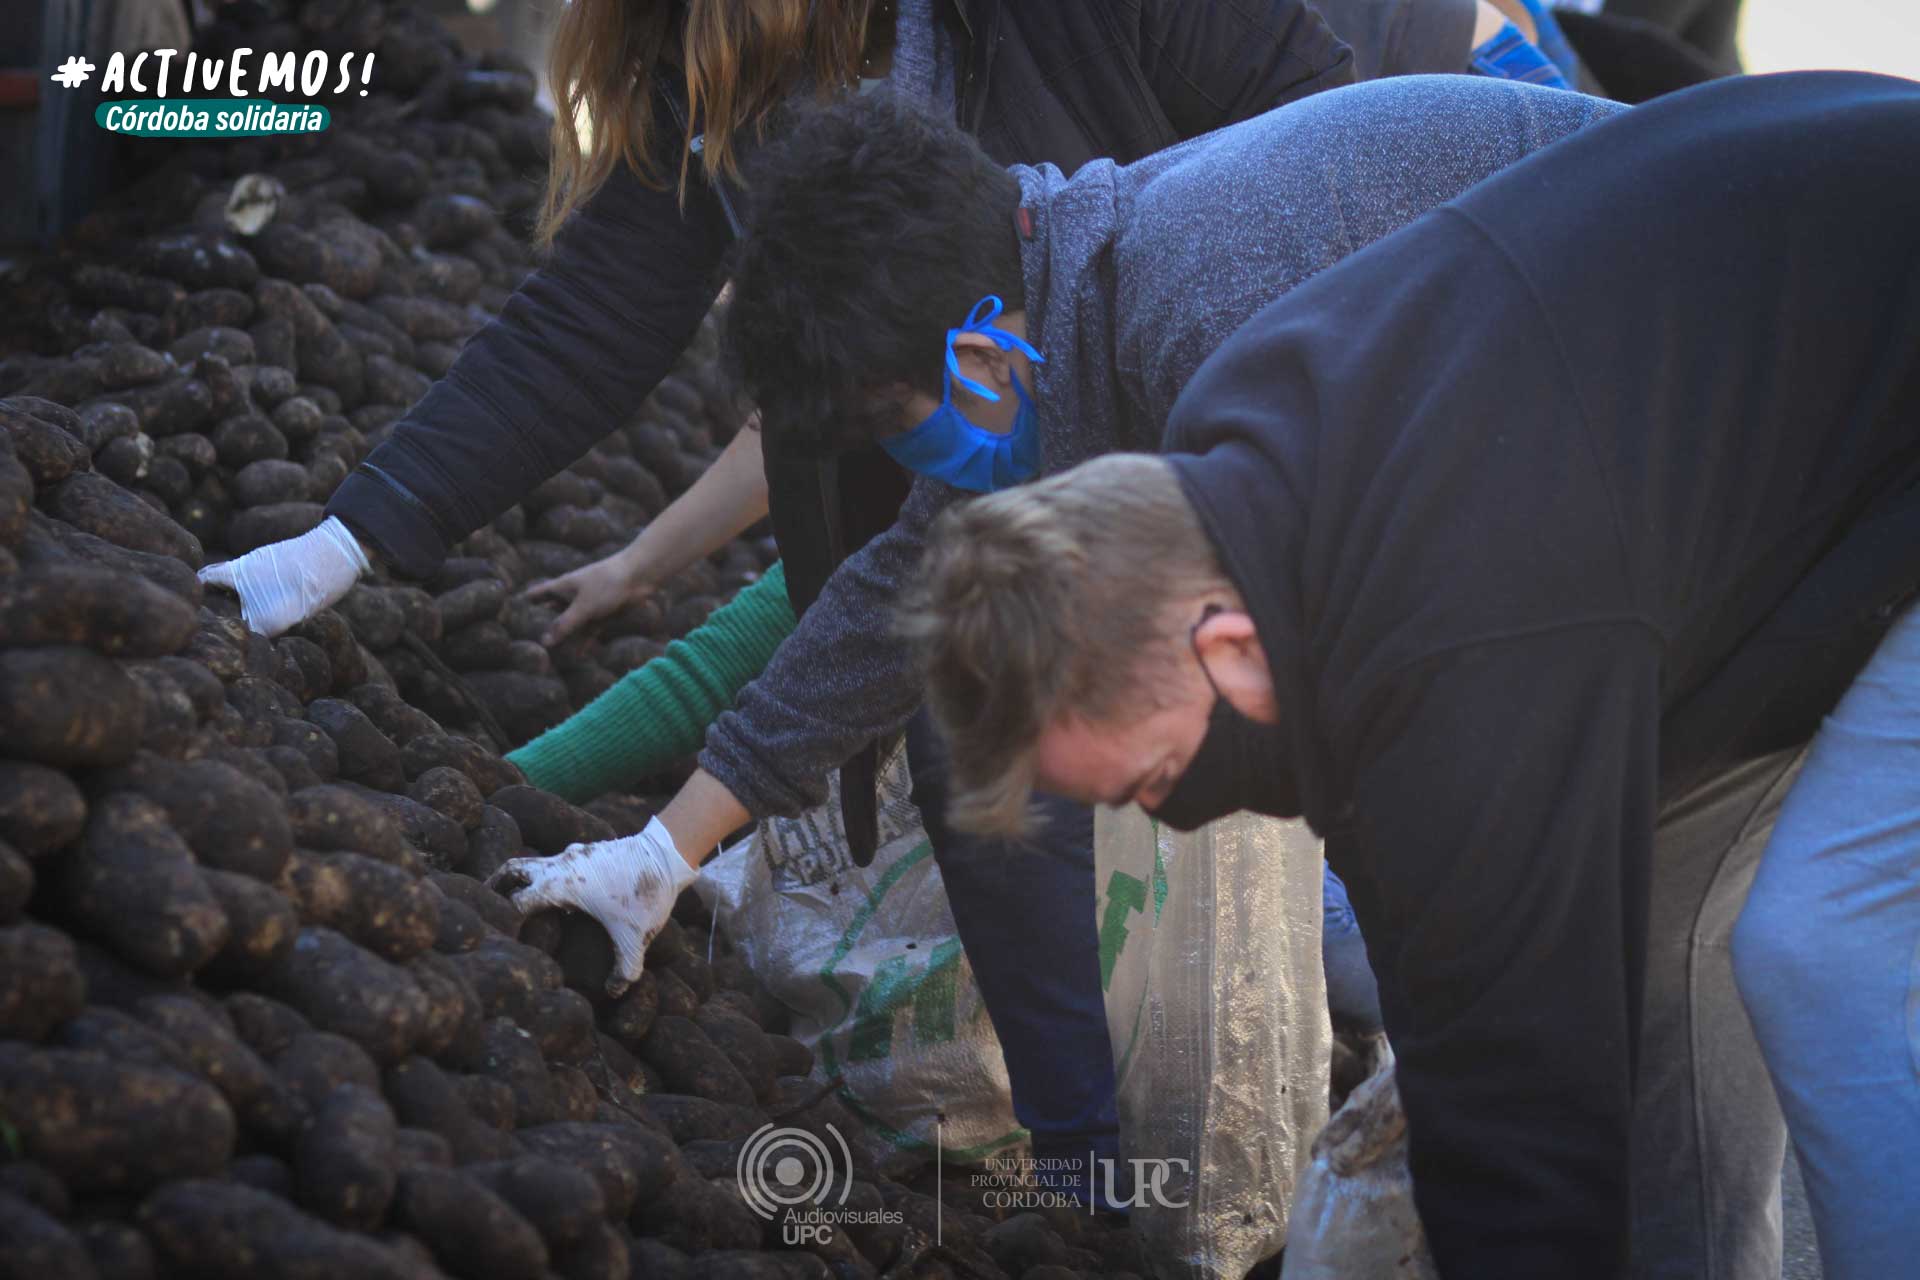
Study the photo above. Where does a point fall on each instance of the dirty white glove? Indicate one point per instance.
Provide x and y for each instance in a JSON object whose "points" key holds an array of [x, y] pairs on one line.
{"points": [[629, 885], [288, 582]]}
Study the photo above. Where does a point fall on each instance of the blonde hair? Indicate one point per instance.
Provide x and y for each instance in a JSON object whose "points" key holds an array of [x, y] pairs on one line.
{"points": [[741, 58], [1047, 599]]}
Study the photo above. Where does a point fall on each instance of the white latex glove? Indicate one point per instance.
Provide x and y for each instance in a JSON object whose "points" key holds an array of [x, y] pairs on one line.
{"points": [[629, 885], [288, 582]]}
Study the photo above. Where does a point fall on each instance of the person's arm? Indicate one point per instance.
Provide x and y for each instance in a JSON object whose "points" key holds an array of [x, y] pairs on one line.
{"points": [[1503, 800], [1212, 64], [574, 351], [729, 496], [659, 712], [841, 680]]}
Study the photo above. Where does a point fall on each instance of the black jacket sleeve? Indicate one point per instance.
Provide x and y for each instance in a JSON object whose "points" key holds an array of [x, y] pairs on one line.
{"points": [[572, 354], [1211, 63], [1503, 801]]}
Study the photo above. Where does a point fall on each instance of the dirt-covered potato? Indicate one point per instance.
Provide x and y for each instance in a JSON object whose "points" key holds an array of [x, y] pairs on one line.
{"points": [[344, 988], [261, 925], [472, 602], [491, 907], [343, 1167], [630, 1017], [472, 1231], [225, 1231], [689, 1061], [495, 841], [315, 1063], [40, 808], [263, 1023], [449, 792], [337, 818], [119, 1250], [230, 821], [744, 1043], [509, 1053], [562, 1201], [691, 1119], [561, 1022], [69, 707], [602, 1255], [49, 452], [124, 1038], [378, 905], [103, 1125], [16, 883], [264, 1106], [631, 1163], [35, 1244], [132, 884], [425, 1097], [366, 755], [96, 505], [434, 834], [110, 612], [421, 1149], [547, 823], [40, 981], [693, 1214], [453, 1028]]}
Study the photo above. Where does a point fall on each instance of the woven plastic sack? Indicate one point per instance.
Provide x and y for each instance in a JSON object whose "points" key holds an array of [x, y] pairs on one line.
{"points": [[1217, 1005], [868, 961], [1354, 1218]]}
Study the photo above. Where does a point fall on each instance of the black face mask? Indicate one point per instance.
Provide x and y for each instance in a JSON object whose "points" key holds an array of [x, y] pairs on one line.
{"points": [[1241, 764]]}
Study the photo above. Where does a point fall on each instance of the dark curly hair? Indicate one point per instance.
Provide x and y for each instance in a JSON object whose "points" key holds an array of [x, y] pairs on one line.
{"points": [[872, 228]]}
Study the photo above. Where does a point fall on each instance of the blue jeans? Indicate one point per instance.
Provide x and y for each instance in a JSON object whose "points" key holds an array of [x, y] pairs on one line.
{"points": [[1827, 957]]}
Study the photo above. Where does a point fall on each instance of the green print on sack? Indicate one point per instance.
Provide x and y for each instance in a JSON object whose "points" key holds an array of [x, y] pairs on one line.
{"points": [[1125, 895], [900, 983]]}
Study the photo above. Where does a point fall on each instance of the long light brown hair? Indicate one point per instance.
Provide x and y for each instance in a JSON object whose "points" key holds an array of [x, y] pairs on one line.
{"points": [[740, 58]]}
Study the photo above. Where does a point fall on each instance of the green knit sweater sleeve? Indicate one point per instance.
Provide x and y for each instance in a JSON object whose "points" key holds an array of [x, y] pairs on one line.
{"points": [[659, 712]]}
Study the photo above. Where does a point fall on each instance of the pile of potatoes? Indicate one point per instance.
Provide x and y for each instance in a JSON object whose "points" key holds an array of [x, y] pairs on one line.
{"points": [[259, 1014], [243, 324]]}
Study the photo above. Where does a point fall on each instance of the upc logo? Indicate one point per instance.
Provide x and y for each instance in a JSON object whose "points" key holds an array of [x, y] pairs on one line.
{"points": [[789, 1175]]}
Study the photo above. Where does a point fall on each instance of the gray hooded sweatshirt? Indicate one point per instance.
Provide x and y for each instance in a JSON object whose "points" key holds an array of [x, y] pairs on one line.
{"points": [[1134, 275]]}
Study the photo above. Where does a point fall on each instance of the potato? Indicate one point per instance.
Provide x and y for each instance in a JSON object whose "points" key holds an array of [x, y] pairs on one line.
{"points": [[124, 1038], [40, 981], [322, 756], [601, 1256], [690, 1062], [230, 344], [34, 1244], [454, 1023], [510, 1054], [118, 1250], [790, 1056], [374, 614], [506, 975], [40, 808], [266, 1025], [546, 822], [343, 1168], [261, 926], [630, 1018], [224, 1231], [632, 1164], [264, 1105], [490, 1100], [53, 543], [335, 638], [451, 793], [471, 1230], [674, 995], [133, 885], [67, 706], [231, 822], [484, 646], [16, 495], [315, 1063], [526, 706], [49, 451], [366, 755], [562, 1201], [125, 461], [495, 841], [487, 771], [472, 603], [494, 910], [276, 522], [268, 481], [103, 1125], [659, 1260], [162, 408], [434, 834], [421, 1149], [690, 1119], [259, 699], [344, 988], [100, 609], [336, 818], [16, 883], [744, 1044], [425, 1097], [264, 1172], [693, 1215], [390, 712], [198, 260], [94, 504]]}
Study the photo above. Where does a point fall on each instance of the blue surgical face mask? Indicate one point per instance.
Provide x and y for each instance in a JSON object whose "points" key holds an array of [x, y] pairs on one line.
{"points": [[948, 447]]}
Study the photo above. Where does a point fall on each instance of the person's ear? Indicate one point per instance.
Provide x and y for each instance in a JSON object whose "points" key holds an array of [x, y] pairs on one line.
{"points": [[982, 360], [1230, 646]]}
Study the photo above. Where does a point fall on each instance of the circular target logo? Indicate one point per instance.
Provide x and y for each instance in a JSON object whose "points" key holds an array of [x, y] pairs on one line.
{"points": [[780, 1167]]}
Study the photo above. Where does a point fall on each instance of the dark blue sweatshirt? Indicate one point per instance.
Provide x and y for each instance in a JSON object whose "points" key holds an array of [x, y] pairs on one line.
{"points": [[1595, 482]]}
